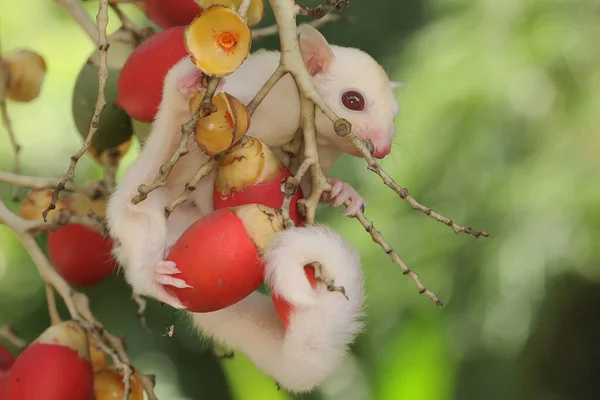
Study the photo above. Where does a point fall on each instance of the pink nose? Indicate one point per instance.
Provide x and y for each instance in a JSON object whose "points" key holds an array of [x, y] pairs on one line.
{"points": [[381, 150]]}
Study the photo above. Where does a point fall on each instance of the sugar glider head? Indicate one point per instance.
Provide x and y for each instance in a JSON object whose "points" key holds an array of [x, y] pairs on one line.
{"points": [[356, 87]]}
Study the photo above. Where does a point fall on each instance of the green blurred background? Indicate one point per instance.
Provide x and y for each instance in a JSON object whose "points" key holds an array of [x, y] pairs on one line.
{"points": [[499, 129]]}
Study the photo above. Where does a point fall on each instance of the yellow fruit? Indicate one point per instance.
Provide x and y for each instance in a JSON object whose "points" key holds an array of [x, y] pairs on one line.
{"points": [[26, 71], [223, 128], [218, 41], [108, 385], [81, 204], [37, 201]]}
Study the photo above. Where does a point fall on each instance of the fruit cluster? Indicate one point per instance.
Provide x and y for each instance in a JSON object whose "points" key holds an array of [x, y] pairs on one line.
{"points": [[209, 31], [64, 362], [219, 256], [80, 253], [247, 190]]}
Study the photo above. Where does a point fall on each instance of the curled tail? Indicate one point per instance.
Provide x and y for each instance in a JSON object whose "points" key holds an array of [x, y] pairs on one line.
{"points": [[322, 324]]}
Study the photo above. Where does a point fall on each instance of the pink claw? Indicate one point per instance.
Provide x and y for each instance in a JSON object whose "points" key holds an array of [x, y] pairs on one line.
{"points": [[341, 191], [162, 276]]}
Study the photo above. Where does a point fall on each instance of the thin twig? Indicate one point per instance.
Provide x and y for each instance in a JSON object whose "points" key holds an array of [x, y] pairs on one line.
{"points": [[141, 304], [205, 108], [292, 61], [21, 226], [8, 333], [102, 20], [62, 218], [190, 186], [373, 166], [52, 309], [378, 238], [36, 182], [266, 88]]}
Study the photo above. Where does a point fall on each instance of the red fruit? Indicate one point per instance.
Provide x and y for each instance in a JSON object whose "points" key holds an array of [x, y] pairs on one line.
{"points": [[217, 257], [3, 384], [141, 79], [249, 172], [50, 372], [282, 307], [168, 13], [268, 193], [80, 255], [7, 359]]}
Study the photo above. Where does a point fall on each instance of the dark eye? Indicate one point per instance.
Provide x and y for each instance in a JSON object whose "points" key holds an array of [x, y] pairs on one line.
{"points": [[353, 101]]}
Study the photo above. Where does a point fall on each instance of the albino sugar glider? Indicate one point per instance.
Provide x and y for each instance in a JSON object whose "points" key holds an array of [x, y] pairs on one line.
{"points": [[323, 323]]}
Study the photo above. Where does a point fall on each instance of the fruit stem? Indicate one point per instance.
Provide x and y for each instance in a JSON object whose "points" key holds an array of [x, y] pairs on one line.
{"points": [[52, 309], [8, 333]]}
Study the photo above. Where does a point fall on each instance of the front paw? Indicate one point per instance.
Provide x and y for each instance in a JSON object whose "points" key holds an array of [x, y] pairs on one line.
{"points": [[194, 81], [163, 271], [342, 191]]}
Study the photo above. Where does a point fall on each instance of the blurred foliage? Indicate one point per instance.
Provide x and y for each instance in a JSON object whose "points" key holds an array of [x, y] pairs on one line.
{"points": [[499, 129]]}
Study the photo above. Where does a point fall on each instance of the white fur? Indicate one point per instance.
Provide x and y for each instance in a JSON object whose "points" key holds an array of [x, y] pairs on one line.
{"points": [[142, 230], [323, 323]]}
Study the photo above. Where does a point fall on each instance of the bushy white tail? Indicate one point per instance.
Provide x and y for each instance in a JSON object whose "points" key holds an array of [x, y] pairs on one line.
{"points": [[323, 323]]}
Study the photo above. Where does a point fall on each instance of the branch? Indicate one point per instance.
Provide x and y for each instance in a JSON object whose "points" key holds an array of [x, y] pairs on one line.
{"points": [[291, 61], [403, 192], [102, 19], [290, 186], [291, 58]]}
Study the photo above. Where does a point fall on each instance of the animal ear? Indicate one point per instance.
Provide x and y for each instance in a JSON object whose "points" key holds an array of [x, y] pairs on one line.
{"points": [[396, 85], [316, 52]]}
